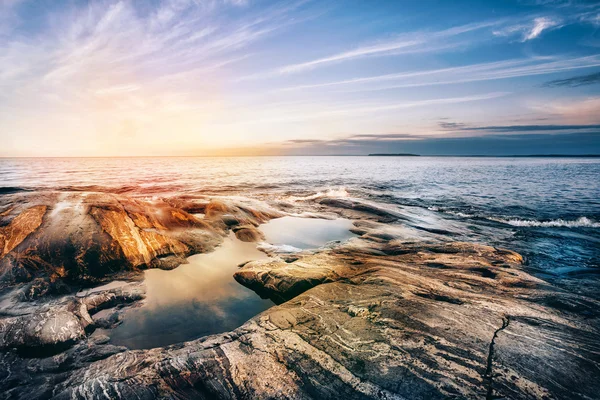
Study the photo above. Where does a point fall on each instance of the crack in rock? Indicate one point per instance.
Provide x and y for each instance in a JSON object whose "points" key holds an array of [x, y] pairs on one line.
{"points": [[488, 377]]}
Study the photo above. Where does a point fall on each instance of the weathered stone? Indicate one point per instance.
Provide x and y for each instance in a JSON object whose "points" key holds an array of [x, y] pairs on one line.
{"points": [[19, 228], [85, 237], [248, 233], [381, 316]]}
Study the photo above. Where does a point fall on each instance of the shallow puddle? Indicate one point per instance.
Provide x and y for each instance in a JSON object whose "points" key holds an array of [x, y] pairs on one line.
{"points": [[193, 300], [202, 298], [305, 233]]}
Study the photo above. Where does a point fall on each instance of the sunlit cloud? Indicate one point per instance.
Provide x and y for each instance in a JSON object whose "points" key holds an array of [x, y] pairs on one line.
{"points": [[575, 111], [114, 77]]}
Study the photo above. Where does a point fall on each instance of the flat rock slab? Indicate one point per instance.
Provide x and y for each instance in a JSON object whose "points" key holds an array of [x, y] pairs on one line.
{"points": [[375, 318]]}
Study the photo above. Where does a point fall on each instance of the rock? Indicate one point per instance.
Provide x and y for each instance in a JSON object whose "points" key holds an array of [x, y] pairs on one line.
{"points": [[19, 228], [81, 237], [381, 316], [56, 325], [45, 330], [189, 205], [240, 212], [230, 220], [281, 281], [355, 209], [248, 233]]}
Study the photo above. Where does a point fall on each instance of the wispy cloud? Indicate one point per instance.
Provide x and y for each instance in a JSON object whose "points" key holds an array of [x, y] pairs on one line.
{"points": [[539, 25], [570, 110], [422, 103], [531, 29], [377, 49], [114, 52], [462, 74], [296, 113], [576, 81], [413, 42], [573, 142], [206, 72], [527, 128], [452, 125]]}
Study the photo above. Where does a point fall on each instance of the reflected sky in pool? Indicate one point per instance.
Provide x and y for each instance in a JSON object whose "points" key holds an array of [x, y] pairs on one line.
{"points": [[202, 298], [193, 300], [306, 233]]}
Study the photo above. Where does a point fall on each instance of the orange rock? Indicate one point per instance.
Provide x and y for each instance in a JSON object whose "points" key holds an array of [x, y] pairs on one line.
{"points": [[215, 208], [139, 246], [19, 228]]}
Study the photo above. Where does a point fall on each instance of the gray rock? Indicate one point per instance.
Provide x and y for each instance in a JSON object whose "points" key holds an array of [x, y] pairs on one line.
{"points": [[378, 317]]}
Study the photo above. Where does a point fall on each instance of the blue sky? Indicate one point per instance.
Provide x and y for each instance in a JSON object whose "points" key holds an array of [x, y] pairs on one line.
{"points": [[218, 77]]}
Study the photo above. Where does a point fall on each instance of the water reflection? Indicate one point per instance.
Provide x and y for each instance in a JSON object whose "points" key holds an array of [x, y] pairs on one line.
{"points": [[193, 300], [305, 233]]}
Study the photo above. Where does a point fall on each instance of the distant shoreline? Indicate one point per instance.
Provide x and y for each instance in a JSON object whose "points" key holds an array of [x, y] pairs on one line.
{"points": [[394, 155], [492, 156], [322, 155]]}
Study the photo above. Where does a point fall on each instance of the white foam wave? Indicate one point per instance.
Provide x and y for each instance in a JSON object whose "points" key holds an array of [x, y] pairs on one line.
{"points": [[457, 213], [581, 222], [341, 192]]}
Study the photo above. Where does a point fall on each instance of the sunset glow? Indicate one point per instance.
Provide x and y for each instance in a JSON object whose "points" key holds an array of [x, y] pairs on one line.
{"points": [[192, 77]]}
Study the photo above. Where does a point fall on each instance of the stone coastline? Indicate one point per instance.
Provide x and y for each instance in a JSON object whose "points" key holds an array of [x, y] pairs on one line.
{"points": [[379, 316]]}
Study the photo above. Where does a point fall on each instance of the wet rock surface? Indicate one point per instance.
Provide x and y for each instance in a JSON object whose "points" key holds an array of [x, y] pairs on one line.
{"points": [[83, 238], [380, 316]]}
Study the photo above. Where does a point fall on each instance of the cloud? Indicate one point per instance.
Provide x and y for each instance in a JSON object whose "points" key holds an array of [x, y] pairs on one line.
{"points": [[413, 42], [166, 73], [575, 81], [539, 25], [377, 49], [9, 18], [532, 29], [570, 110], [468, 73], [488, 145], [451, 125], [490, 140], [421, 103], [278, 115], [384, 136], [530, 128], [121, 60]]}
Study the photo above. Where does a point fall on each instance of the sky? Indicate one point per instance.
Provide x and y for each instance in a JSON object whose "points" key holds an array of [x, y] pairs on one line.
{"points": [[321, 77]]}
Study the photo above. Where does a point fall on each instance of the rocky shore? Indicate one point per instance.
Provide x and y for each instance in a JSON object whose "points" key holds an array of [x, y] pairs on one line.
{"points": [[380, 316]]}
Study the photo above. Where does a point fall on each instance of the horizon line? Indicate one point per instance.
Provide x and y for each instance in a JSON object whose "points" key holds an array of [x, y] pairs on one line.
{"points": [[399, 155]]}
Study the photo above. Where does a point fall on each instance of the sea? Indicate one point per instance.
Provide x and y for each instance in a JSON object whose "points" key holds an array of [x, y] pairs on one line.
{"points": [[548, 209]]}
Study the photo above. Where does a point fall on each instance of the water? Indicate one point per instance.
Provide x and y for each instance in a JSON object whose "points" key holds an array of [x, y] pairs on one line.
{"points": [[193, 300], [546, 208], [202, 298], [294, 234]]}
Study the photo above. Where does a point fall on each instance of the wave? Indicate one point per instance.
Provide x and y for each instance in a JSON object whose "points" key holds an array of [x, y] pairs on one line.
{"points": [[456, 213], [335, 193], [581, 222]]}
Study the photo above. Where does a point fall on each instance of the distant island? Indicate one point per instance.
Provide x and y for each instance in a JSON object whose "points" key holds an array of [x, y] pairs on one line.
{"points": [[490, 156], [394, 155]]}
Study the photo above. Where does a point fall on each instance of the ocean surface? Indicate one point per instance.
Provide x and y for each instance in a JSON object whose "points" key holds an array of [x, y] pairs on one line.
{"points": [[548, 209]]}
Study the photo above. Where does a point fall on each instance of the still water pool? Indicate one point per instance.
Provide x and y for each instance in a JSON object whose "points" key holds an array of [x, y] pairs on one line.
{"points": [[202, 298]]}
